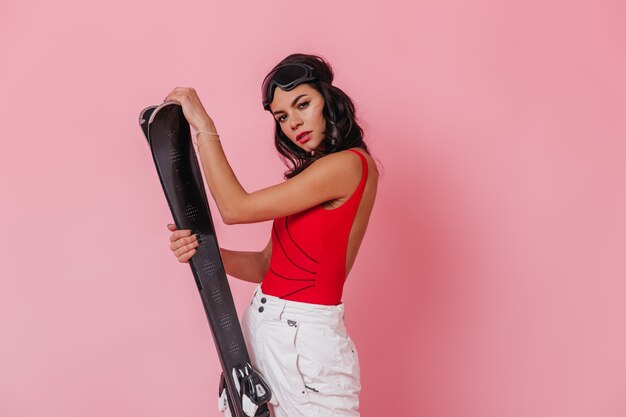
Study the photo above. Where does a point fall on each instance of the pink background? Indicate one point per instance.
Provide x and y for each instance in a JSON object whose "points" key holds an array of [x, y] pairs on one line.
{"points": [[492, 279]]}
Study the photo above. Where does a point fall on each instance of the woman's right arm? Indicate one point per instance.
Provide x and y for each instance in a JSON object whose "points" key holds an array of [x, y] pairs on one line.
{"points": [[245, 265]]}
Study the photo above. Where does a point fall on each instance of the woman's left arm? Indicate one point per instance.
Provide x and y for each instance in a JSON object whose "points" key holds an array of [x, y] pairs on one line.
{"points": [[331, 177], [216, 168]]}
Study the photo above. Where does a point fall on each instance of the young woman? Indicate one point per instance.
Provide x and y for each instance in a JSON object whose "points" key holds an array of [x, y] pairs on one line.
{"points": [[294, 326]]}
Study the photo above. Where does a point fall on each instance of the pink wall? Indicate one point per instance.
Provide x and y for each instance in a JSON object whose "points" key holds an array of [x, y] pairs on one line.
{"points": [[492, 278]]}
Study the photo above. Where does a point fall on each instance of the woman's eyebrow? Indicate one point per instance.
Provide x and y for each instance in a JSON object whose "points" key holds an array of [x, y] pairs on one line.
{"points": [[293, 103]]}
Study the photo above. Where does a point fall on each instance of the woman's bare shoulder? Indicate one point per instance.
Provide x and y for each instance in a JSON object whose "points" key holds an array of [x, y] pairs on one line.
{"points": [[345, 160], [370, 160]]}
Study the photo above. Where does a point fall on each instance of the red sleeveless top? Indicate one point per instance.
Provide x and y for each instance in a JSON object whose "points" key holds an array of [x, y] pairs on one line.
{"points": [[308, 262]]}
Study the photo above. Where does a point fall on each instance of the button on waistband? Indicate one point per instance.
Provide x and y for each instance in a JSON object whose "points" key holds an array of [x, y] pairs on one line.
{"points": [[263, 300]]}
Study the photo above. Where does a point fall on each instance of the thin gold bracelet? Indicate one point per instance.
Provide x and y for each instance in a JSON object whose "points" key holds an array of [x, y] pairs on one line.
{"points": [[210, 133]]}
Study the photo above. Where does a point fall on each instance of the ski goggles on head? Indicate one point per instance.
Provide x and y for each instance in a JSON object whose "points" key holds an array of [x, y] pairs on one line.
{"points": [[287, 77]]}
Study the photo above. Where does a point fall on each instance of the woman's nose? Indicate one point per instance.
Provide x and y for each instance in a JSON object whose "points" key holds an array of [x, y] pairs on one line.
{"points": [[295, 122]]}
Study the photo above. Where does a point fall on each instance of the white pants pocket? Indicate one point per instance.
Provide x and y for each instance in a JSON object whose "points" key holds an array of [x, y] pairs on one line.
{"points": [[276, 342], [328, 364]]}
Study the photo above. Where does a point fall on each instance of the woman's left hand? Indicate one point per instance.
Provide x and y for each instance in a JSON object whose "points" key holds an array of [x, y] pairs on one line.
{"points": [[192, 108]]}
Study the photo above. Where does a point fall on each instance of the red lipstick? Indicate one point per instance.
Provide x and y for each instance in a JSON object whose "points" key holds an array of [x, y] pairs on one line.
{"points": [[303, 137]]}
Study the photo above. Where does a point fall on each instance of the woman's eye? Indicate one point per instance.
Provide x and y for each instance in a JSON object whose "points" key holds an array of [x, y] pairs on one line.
{"points": [[280, 119]]}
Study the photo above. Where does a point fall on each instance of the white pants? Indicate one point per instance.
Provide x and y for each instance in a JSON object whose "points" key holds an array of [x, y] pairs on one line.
{"points": [[305, 355]]}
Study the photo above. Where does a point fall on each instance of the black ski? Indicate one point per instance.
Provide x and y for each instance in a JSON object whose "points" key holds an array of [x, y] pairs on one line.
{"points": [[169, 137]]}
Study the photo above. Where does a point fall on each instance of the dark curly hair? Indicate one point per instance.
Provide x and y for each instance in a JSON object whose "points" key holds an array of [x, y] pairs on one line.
{"points": [[338, 112]]}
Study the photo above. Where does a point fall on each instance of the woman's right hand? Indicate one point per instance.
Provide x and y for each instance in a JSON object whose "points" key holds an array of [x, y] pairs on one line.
{"points": [[183, 244]]}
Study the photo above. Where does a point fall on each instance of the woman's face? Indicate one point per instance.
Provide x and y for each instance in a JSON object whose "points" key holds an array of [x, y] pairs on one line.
{"points": [[298, 111]]}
